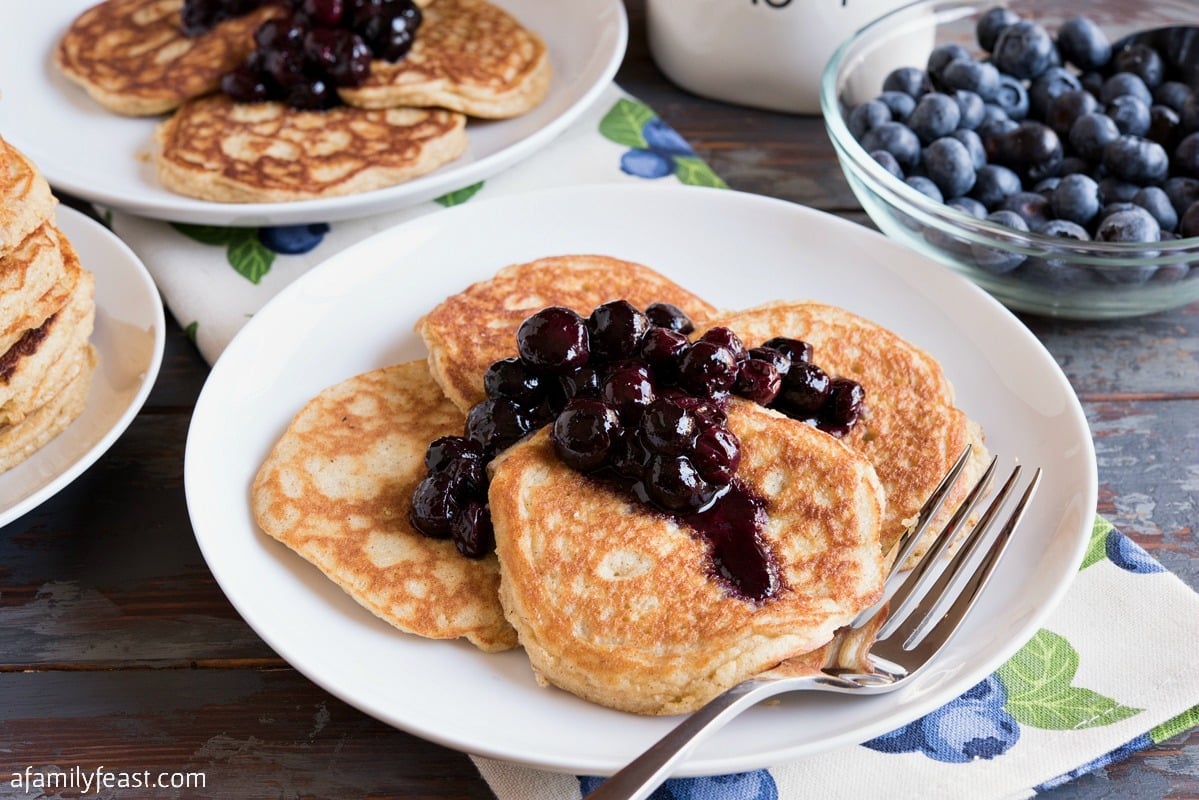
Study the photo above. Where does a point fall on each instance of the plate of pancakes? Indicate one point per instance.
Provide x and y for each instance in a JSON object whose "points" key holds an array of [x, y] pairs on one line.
{"points": [[309, 434], [110, 158], [118, 330]]}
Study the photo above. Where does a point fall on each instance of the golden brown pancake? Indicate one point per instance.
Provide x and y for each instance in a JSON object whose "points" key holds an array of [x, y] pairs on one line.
{"points": [[132, 57], [43, 359], [911, 430], [215, 149], [337, 489], [25, 199], [36, 280], [469, 56], [620, 606], [19, 442], [468, 331]]}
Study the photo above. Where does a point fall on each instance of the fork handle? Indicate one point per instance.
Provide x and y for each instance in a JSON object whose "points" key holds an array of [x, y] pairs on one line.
{"points": [[638, 779]]}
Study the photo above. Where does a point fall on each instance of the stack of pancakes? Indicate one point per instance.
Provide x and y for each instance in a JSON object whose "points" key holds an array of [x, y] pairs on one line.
{"points": [[469, 58], [610, 600], [46, 315]]}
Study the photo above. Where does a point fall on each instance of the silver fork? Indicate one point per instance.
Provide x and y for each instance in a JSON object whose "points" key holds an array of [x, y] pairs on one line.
{"points": [[881, 649]]}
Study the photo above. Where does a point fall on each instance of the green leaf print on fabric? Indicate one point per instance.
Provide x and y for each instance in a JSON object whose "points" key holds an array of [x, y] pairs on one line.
{"points": [[1096, 550], [1172, 727], [692, 171], [191, 330], [1040, 694], [460, 196], [623, 122], [244, 251]]}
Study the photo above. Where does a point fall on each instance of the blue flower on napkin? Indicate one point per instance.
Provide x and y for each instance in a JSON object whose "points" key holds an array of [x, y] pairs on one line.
{"points": [[656, 150], [756, 785]]}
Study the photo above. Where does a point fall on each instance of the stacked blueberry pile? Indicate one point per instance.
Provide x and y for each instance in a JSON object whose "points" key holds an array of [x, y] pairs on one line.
{"points": [[631, 400], [303, 57], [1064, 135]]}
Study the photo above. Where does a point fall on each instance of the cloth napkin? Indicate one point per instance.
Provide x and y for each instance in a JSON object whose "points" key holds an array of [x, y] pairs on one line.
{"points": [[1073, 699]]}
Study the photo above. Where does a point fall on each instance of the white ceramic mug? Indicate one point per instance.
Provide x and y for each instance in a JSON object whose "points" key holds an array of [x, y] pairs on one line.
{"points": [[761, 53]]}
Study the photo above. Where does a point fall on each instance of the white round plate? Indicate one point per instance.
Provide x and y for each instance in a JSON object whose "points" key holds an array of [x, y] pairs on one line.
{"points": [[356, 312], [129, 337], [92, 153]]}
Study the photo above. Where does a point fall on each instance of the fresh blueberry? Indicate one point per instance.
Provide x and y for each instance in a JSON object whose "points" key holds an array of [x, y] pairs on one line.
{"points": [[897, 139], [1048, 85], [1141, 60], [868, 116], [1090, 133], [1115, 190], [1076, 199], [1032, 207], [1165, 126], [993, 183], [293, 239], [1046, 186], [1065, 229], [1081, 42], [1032, 149], [646, 164], [927, 187], [1155, 200], [1189, 113], [941, 57], [1172, 94], [1128, 225], [991, 23], [1186, 155], [972, 108], [936, 114], [994, 260], [962, 731], [949, 164], [665, 139], [1136, 159], [900, 103], [888, 162], [910, 80], [968, 205], [1130, 114], [1066, 107], [974, 145], [1188, 222], [1012, 97], [1127, 554], [969, 75], [1023, 50], [1182, 191], [1123, 83]]}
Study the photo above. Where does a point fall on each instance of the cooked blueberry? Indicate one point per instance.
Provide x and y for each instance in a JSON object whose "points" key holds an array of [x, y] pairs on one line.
{"points": [[433, 506], [674, 484], [662, 349], [717, 455], [726, 338], [868, 116], [1123, 83], [245, 85], [496, 424], [991, 23], [1155, 200], [579, 382], [1136, 159], [554, 339], [615, 329], [513, 379], [994, 183], [935, 115], [897, 139], [759, 381], [805, 390], [472, 532], [796, 350], [585, 433], [631, 455], [1141, 60], [668, 427], [468, 479], [667, 315], [1012, 97], [1076, 199], [1090, 133], [445, 450], [949, 165], [312, 95], [976, 77], [390, 34], [629, 388], [708, 369], [777, 358], [1083, 43], [844, 406], [1023, 50], [911, 81]]}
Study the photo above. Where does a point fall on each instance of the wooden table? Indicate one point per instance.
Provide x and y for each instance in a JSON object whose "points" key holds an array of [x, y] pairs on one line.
{"points": [[118, 649]]}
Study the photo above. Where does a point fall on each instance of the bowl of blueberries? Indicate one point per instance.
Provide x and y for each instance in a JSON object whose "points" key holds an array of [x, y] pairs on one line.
{"points": [[1046, 149]]}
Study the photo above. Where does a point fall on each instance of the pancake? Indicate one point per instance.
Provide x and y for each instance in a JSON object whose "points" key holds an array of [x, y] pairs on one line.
{"points": [[215, 149], [36, 280], [25, 199], [469, 331], [131, 55], [910, 430], [42, 360], [620, 606], [337, 489], [469, 56], [19, 442]]}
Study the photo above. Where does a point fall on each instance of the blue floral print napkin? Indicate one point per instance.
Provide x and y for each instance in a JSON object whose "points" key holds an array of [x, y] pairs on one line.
{"points": [[1070, 701]]}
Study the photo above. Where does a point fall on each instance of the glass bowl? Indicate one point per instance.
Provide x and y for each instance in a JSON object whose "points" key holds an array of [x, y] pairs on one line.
{"points": [[1030, 272]]}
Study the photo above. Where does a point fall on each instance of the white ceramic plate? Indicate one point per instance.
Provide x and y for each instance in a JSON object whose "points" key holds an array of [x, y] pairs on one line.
{"points": [[90, 152], [129, 337], [356, 312]]}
